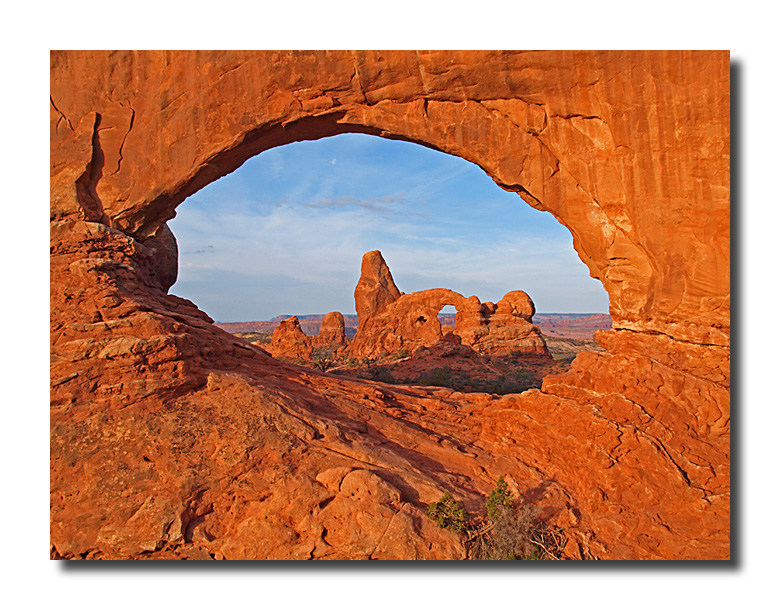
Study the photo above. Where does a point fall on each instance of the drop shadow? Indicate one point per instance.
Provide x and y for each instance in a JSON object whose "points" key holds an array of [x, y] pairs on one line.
{"points": [[90, 568], [736, 290]]}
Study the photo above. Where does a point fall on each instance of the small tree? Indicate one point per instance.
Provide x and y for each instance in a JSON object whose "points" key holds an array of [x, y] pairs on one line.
{"points": [[498, 498], [448, 513]]}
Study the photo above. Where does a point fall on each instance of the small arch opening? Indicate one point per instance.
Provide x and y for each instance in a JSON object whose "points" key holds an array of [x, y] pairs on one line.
{"points": [[446, 317]]}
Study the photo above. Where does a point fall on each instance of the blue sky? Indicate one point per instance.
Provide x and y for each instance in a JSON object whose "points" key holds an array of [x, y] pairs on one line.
{"points": [[285, 233]]}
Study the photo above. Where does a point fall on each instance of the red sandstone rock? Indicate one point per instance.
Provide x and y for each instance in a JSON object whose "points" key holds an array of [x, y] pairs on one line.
{"points": [[508, 328], [410, 321], [172, 439], [332, 331], [311, 324], [165, 252], [375, 289], [515, 304], [290, 342]]}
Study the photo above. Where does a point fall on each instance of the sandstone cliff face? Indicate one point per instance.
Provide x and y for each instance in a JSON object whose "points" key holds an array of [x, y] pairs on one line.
{"points": [[171, 438], [391, 323], [376, 288]]}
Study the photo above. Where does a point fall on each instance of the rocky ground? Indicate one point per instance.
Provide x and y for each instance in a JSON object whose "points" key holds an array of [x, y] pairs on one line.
{"points": [[450, 365]]}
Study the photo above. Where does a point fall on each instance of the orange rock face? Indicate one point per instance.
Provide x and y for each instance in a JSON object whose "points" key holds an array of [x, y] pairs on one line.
{"points": [[375, 289], [390, 323], [289, 341], [170, 438], [332, 330]]}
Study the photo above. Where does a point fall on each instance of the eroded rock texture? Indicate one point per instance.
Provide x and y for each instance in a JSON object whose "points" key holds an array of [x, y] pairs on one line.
{"points": [[376, 288], [289, 341], [391, 321], [171, 438]]}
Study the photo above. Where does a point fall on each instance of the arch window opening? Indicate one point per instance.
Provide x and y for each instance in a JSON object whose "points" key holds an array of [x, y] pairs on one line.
{"points": [[284, 235]]}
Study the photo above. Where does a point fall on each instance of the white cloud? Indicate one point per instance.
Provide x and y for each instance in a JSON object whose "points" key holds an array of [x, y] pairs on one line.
{"points": [[438, 220], [320, 248]]}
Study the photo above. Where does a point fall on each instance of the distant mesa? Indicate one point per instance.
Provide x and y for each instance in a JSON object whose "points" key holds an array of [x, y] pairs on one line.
{"points": [[573, 326], [563, 325], [310, 324]]}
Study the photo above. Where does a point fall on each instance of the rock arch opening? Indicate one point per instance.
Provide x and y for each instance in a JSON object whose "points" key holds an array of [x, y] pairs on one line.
{"points": [[284, 235]]}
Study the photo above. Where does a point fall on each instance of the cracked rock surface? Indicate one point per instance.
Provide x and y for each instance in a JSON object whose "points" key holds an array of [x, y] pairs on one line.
{"points": [[172, 439]]}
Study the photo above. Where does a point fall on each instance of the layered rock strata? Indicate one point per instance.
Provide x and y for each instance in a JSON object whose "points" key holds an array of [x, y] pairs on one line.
{"points": [[172, 439]]}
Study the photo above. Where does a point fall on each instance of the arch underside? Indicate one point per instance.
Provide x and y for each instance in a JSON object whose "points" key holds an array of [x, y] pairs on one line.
{"points": [[226, 452]]}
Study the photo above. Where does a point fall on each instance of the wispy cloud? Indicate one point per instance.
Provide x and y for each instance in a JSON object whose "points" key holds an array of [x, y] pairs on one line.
{"points": [[321, 251], [207, 250], [396, 205]]}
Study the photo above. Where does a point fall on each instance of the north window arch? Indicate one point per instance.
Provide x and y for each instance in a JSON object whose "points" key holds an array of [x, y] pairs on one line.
{"points": [[143, 130], [287, 230]]}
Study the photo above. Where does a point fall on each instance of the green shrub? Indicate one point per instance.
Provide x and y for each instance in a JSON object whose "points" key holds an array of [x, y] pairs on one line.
{"points": [[508, 533], [379, 373], [440, 376], [498, 498], [448, 513], [324, 364], [514, 533]]}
